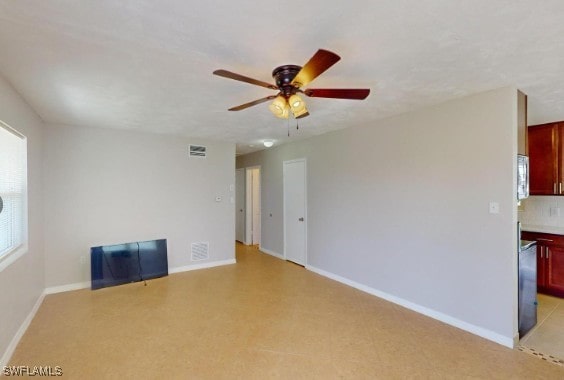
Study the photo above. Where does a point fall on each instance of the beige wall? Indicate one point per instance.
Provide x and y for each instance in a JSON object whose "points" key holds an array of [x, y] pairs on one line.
{"points": [[108, 186], [401, 207], [22, 283]]}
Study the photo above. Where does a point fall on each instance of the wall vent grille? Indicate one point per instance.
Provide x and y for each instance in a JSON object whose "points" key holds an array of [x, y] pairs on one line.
{"points": [[200, 251], [197, 151]]}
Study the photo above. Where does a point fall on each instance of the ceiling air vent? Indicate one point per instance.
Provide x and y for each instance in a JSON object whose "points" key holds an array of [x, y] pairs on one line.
{"points": [[200, 251], [197, 151]]}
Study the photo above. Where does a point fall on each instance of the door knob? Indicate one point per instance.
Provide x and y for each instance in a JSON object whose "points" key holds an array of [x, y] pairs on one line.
{"points": [[301, 219], [241, 210]]}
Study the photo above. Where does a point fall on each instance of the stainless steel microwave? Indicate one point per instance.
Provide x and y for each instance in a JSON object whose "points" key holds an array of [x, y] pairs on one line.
{"points": [[522, 177]]}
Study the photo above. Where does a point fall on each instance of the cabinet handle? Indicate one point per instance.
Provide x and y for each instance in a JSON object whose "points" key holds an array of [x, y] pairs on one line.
{"points": [[541, 252], [544, 239], [560, 188], [547, 253], [554, 188]]}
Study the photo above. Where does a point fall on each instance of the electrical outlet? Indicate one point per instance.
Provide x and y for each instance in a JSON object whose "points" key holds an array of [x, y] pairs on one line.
{"points": [[82, 259]]}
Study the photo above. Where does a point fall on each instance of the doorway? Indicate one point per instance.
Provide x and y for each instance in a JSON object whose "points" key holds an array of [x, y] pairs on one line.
{"points": [[295, 210], [253, 209]]}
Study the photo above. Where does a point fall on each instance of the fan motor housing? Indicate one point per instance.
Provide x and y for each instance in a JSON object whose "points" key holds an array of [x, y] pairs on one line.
{"points": [[283, 75]]}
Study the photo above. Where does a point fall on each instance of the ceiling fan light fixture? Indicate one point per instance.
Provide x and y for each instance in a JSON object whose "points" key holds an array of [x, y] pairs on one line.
{"points": [[279, 107], [289, 81], [302, 113], [296, 103]]}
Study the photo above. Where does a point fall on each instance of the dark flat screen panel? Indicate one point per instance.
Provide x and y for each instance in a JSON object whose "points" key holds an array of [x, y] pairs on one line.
{"points": [[129, 262]]}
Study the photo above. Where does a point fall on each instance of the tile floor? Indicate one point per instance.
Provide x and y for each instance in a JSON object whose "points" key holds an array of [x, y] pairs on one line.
{"points": [[261, 318], [547, 336]]}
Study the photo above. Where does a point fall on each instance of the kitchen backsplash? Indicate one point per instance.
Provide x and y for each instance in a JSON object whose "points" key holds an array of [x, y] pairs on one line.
{"points": [[542, 211]]}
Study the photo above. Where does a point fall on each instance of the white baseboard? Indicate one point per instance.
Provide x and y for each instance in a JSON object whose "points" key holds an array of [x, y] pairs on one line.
{"points": [[272, 253], [87, 284], [68, 287], [476, 330], [201, 266], [21, 331]]}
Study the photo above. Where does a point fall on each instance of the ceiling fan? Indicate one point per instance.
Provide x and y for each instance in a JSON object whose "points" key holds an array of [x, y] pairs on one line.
{"points": [[289, 82]]}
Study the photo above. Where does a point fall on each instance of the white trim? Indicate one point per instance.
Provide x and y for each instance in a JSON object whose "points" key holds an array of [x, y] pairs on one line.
{"points": [[243, 206], [271, 253], [201, 266], [476, 330], [87, 284], [21, 331], [68, 287], [8, 258]]}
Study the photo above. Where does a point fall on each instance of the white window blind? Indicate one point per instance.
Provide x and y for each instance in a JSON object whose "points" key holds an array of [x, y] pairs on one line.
{"points": [[13, 191]]}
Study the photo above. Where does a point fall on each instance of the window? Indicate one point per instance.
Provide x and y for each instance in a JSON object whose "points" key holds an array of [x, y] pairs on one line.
{"points": [[13, 195]]}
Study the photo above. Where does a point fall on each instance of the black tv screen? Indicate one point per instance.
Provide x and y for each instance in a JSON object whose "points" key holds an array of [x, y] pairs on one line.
{"points": [[129, 262]]}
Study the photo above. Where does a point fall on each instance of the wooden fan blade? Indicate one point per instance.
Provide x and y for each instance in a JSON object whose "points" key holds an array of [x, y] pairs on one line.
{"points": [[338, 93], [242, 78], [321, 61], [253, 103]]}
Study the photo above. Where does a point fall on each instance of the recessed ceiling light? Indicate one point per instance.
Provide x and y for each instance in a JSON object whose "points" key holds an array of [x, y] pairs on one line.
{"points": [[268, 143]]}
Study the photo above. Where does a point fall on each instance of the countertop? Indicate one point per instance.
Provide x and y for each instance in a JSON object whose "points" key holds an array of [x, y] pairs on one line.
{"points": [[545, 229]]}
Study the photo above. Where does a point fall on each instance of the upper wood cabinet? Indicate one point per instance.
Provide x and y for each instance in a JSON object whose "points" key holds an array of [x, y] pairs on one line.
{"points": [[546, 159]]}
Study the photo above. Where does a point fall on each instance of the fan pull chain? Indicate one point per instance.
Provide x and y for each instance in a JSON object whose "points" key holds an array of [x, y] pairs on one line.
{"points": [[297, 124], [288, 124]]}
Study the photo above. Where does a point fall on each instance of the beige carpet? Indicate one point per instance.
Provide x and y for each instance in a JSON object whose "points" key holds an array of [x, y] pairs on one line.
{"points": [[261, 318]]}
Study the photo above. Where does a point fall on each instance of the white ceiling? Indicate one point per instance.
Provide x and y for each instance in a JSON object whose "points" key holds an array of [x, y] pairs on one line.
{"points": [[147, 65]]}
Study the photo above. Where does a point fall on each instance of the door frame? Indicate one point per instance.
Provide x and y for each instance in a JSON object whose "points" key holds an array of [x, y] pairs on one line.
{"points": [[248, 203], [241, 170], [306, 219]]}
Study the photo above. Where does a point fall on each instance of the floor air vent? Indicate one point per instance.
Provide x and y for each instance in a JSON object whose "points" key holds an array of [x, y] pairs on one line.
{"points": [[200, 251], [197, 151]]}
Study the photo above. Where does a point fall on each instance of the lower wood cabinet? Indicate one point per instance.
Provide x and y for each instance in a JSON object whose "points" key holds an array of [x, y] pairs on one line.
{"points": [[550, 262]]}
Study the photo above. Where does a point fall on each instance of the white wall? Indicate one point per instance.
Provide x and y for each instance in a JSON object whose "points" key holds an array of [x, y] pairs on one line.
{"points": [[22, 283], [401, 207], [107, 186]]}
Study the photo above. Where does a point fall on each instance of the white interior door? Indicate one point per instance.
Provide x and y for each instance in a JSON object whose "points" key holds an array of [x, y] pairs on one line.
{"points": [[256, 206], [240, 205], [252, 201], [295, 227]]}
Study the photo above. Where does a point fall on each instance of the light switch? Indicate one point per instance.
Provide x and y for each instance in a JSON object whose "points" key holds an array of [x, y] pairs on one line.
{"points": [[494, 207], [231, 187]]}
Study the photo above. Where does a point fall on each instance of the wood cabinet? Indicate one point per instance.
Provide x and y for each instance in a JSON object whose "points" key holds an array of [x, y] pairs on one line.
{"points": [[546, 158], [554, 270], [550, 262]]}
